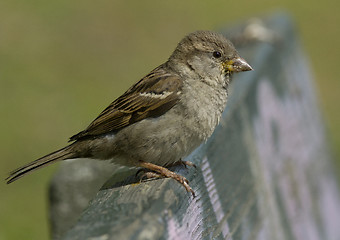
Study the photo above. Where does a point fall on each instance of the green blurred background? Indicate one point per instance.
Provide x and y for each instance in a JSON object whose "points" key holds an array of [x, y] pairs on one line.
{"points": [[62, 62]]}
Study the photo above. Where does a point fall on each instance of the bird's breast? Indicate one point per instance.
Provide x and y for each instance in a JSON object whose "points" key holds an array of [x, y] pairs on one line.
{"points": [[202, 106]]}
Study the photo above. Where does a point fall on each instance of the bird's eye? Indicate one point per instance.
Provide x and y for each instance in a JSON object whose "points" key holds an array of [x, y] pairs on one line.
{"points": [[217, 54]]}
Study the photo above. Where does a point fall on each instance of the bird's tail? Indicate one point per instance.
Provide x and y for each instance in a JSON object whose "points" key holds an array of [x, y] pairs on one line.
{"points": [[61, 154]]}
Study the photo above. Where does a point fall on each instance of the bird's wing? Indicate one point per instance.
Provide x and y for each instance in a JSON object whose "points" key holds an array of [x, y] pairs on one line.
{"points": [[152, 96]]}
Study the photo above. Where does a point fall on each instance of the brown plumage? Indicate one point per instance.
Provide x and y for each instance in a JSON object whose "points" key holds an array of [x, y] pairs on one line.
{"points": [[135, 105]]}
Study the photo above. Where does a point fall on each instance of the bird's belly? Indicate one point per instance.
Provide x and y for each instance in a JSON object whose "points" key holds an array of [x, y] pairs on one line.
{"points": [[159, 141]]}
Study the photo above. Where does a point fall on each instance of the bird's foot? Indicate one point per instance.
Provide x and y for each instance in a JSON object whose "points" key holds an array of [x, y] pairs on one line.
{"points": [[162, 172]]}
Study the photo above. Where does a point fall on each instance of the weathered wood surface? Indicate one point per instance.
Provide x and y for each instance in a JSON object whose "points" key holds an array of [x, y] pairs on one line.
{"points": [[265, 173]]}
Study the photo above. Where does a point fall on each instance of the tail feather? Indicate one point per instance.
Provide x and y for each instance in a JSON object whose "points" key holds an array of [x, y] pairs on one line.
{"points": [[59, 155]]}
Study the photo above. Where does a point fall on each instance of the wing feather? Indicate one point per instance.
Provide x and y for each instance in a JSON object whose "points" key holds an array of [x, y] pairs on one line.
{"points": [[152, 96]]}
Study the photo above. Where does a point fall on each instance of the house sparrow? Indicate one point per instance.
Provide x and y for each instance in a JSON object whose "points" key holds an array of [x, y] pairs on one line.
{"points": [[164, 116]]}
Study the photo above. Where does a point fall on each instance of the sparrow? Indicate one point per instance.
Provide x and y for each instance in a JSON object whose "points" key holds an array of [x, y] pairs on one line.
{"points": [[163, 117]]}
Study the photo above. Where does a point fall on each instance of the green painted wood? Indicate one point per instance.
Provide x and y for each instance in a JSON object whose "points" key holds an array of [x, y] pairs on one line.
{"points": [[266, 172]]}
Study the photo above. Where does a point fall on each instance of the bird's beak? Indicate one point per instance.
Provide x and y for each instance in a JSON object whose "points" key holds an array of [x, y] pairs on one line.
{"points": [[237, 65]]}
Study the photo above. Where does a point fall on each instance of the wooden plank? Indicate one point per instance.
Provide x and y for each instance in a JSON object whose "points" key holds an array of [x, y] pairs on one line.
{"points": [[265, 173]]}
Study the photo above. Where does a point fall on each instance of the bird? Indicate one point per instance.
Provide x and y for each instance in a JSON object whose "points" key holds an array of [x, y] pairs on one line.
{"points": [[164, 116]]}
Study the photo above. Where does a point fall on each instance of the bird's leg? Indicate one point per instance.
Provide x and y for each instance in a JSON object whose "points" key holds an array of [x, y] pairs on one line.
{"points": [[147, 173], [158, 171]]}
